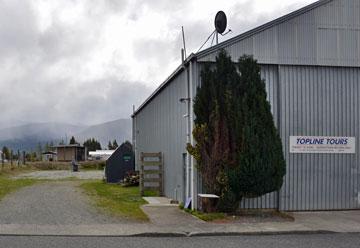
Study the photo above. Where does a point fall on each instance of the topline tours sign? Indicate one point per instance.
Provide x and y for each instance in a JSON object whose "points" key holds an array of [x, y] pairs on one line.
{"points": [[322, 144]]}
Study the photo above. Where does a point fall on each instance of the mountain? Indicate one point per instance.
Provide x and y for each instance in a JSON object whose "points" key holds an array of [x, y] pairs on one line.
{"points": [[11, 123], [42, 131], [108, 131], [27, 137]]}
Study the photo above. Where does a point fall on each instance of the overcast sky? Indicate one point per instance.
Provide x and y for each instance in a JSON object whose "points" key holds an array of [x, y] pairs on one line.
{"points": [[89, 61]]}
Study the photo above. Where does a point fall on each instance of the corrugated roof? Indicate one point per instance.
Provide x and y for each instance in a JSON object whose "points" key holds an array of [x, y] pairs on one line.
{"points": [[230, 42], [261, 28], [64, 146]]}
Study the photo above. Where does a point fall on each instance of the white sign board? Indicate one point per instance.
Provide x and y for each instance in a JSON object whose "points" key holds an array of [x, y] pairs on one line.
{"points": [[322, 144]]}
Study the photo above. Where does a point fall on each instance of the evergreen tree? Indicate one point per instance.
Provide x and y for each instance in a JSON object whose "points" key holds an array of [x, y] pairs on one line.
{"points": [[238, 150], [92, 144], [114, 144], [110, 146], [128, 144], [261, 161], [73, 141], [6, 152], [215, 142]]}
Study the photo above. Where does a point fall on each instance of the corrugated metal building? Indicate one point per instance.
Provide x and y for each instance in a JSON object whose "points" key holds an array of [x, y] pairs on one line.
{"points": [[310, 60], [67, 153]]}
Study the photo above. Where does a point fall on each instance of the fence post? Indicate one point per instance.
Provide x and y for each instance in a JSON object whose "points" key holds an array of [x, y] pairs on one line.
{"points": [[18, 158], [11, 158], [161, 172], [2, 160], [24, 158], [142, 174]]}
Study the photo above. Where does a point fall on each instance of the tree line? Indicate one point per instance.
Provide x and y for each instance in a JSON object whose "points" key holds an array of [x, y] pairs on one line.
{"points": [[91, 144]]}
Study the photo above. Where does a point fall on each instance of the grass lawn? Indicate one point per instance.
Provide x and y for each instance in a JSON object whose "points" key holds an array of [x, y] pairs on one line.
{"points": [[120, 201], [8, 185], [204, 216]]}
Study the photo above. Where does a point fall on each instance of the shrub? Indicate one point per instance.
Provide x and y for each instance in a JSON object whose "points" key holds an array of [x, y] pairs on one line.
{"points": [[132, 178], [238, 149]]}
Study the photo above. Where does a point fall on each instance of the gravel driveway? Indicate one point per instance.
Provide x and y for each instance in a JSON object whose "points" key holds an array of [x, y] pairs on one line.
{"points": [[62, 174], [51, 203]]}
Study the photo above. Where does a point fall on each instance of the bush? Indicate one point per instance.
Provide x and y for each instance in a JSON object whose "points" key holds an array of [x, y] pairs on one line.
{"points": [[132, 178], [93, 165], [238, 149]]}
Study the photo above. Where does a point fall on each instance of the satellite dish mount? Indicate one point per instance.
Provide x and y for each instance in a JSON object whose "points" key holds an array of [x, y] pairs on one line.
{"points": [[220, 24], [220, 27]]}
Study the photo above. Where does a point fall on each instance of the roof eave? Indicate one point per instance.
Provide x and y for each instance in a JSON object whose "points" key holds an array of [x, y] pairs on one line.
{"points": [[179, 69]]}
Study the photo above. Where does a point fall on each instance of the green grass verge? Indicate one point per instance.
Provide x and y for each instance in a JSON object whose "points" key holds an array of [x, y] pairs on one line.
{"points": [[204, 216], [120, 201], [150, 193], [8, 185]]}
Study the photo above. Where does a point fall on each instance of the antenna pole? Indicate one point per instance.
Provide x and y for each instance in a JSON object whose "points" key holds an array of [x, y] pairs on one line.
{"points": [[183, 36], [217, 37]]}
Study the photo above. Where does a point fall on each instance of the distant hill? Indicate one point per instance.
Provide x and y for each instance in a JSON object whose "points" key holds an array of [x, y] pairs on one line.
{"points": [[118, 129], [26, 137]]}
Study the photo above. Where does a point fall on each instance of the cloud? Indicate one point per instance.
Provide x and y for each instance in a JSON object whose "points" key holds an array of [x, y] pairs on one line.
{"points": [[89, 61]]}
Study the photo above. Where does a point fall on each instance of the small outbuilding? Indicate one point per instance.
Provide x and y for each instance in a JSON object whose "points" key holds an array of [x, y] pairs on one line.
{"points": [[100, 154], [49, 156], [66, 153], [119, 163]]}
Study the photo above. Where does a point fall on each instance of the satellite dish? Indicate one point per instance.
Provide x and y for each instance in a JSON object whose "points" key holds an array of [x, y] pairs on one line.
{"points": [[220, 22]]}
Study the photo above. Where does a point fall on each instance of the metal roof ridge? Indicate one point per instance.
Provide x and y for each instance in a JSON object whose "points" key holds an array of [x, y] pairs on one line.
{"points": [[263, 27], [163, 85], [235, 39]]}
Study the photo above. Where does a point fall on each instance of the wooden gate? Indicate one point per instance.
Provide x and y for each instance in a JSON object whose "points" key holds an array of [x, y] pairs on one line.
{"points": [[151, 173]]}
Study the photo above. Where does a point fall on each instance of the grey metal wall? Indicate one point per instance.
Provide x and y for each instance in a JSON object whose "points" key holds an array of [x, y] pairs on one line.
{"points": [[314, 101], [161, 127], [320, 101], [328, 35]]}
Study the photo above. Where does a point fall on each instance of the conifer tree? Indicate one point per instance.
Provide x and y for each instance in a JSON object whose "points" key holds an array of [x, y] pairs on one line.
{"points": [[92, 144], [114, 144], [215, 147], [73, 141], [238, 150], [261, 164]]}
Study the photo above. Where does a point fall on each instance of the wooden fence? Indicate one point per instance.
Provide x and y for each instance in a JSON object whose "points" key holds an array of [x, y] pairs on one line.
{"points": [[151, 172]]}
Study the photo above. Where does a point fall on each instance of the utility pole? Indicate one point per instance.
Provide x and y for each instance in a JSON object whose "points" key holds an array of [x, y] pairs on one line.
{"points": [[11, 158], [2, 160], [18, 158], [24, 158]]}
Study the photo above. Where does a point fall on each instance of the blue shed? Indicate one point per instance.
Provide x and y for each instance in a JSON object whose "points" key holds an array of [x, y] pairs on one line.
{"points": [[119, 163]]}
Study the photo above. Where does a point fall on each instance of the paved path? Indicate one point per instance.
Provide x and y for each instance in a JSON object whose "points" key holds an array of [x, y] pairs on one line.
{"points": [[63, 174], [166, 215], [268, 241], [60, 208], [50, 203]]}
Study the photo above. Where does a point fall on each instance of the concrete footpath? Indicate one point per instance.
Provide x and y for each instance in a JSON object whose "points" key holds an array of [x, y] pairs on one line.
{"points": [[169, 220]]}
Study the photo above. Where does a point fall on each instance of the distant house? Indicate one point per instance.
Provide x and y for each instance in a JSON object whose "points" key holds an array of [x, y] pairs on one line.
{"points": [[119, 163], [49, 156], [100, 154], [67, 153]]}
